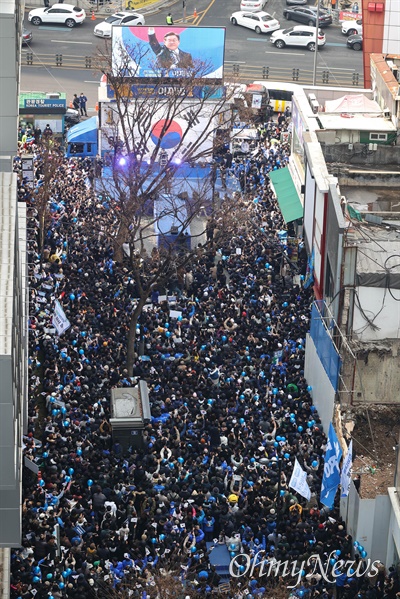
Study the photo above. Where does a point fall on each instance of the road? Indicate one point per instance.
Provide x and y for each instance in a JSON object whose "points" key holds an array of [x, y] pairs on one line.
{"points": [[245, 49]]}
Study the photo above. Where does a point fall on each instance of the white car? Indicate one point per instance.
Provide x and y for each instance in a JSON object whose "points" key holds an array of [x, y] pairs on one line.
{"points": [[259, 21], [123, 17], [300, 35], [252, 5], [62, 14], [352, 27]]}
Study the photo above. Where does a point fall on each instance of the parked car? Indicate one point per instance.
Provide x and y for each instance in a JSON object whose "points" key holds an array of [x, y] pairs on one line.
{"points": [[72, 116], [26, 36], [308, 15], [260, 21], [352, 27], [252, 5], [295, 2], [63, 14], [355, 42], [122, 17], [300, 35]]}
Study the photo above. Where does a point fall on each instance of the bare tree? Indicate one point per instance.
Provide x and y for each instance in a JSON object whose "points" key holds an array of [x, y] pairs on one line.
{"points": [[49, 159], [149, 132]]}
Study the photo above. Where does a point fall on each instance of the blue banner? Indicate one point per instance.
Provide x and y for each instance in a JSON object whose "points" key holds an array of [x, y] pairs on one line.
{"points": [[331, 478]]}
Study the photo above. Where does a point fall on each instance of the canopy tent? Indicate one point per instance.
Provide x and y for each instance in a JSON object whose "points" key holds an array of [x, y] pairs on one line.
{"points": [[85, 132], [353, 103]]}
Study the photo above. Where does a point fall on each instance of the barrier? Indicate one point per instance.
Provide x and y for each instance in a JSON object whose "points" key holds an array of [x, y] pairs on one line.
{"points": [[238, 72]]}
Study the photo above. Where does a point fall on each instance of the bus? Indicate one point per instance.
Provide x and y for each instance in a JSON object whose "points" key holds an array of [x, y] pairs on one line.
{"points": [[280, 93]]}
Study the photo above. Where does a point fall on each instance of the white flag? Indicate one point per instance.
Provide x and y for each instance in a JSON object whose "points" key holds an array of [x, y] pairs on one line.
{"points": [[60, 321], [298, 481], [346, 469]]}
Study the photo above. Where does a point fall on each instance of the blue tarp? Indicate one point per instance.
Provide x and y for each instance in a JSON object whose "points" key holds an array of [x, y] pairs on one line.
{"points": [[85, 132], [326, 351]]}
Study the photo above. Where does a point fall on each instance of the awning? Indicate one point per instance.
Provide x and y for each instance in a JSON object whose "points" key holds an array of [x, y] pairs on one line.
{"points": [[286, 193]]}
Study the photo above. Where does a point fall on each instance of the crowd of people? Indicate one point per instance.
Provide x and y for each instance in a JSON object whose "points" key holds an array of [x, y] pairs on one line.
{"points": [[230, 407]]}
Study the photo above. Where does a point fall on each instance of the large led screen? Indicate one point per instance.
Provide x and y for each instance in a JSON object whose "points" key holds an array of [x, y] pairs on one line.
{"points": [[168, 52]]}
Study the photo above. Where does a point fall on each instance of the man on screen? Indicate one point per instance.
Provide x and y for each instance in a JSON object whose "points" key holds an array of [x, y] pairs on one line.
{"points": [[169, 56]]}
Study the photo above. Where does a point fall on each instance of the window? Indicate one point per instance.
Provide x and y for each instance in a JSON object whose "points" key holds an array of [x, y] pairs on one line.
{"points": [[276, 94], [378, 136]]}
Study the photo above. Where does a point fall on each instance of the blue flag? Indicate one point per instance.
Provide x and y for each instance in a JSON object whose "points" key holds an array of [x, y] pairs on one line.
{"points": [[331, 478]]}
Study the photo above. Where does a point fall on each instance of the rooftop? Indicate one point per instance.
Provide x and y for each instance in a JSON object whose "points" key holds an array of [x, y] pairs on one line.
{"points": [[355, 122]]}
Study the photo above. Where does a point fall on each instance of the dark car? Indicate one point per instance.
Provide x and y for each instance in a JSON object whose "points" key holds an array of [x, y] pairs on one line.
{"points": [[26, 36], [308, 15], [354, 42], [72, 116]]}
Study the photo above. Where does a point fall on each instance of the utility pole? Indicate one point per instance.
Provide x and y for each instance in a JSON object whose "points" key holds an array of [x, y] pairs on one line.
{"points": [[316, 46], [184, 10]]}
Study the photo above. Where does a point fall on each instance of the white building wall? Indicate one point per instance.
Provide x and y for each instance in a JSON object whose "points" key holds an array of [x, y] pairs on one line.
{"points": [[391, 31], [323, 393], [377, 301], [368, 522]]}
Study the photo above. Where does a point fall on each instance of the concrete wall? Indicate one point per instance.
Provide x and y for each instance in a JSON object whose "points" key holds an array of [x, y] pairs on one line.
{"points": [[323, 393], [368, 522], [359, 154], [379, 372], [10, 14], [13, 358]]}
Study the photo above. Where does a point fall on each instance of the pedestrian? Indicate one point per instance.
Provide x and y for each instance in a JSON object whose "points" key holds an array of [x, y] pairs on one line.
{"points": [[82, 104], [37, 132], [169, 20], [75, 102], [48, 132]]}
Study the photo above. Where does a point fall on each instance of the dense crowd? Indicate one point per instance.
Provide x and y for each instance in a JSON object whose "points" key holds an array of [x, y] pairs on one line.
{"points": [[230, 406]]}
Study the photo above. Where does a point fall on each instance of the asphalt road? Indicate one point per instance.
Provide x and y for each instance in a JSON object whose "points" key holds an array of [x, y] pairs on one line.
{"points": [[245, 49]]}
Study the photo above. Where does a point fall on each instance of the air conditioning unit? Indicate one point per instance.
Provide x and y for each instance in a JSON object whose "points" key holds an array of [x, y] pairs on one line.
{"points": [[312, 100], [55, 95]]}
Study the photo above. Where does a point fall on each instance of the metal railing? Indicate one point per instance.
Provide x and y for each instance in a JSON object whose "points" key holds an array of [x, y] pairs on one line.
{"points": [[245, 73]]}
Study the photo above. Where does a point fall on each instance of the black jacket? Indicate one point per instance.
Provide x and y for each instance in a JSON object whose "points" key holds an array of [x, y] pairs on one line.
{"points": [[165, 58]]}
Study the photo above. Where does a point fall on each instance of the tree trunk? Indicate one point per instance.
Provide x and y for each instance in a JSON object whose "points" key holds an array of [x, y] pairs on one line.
{"points": [[130, 355], [41, 238], [120, 238]]}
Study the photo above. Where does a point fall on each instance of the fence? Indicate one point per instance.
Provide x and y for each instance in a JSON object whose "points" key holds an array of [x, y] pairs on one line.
{"points": [[239, 72]]}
